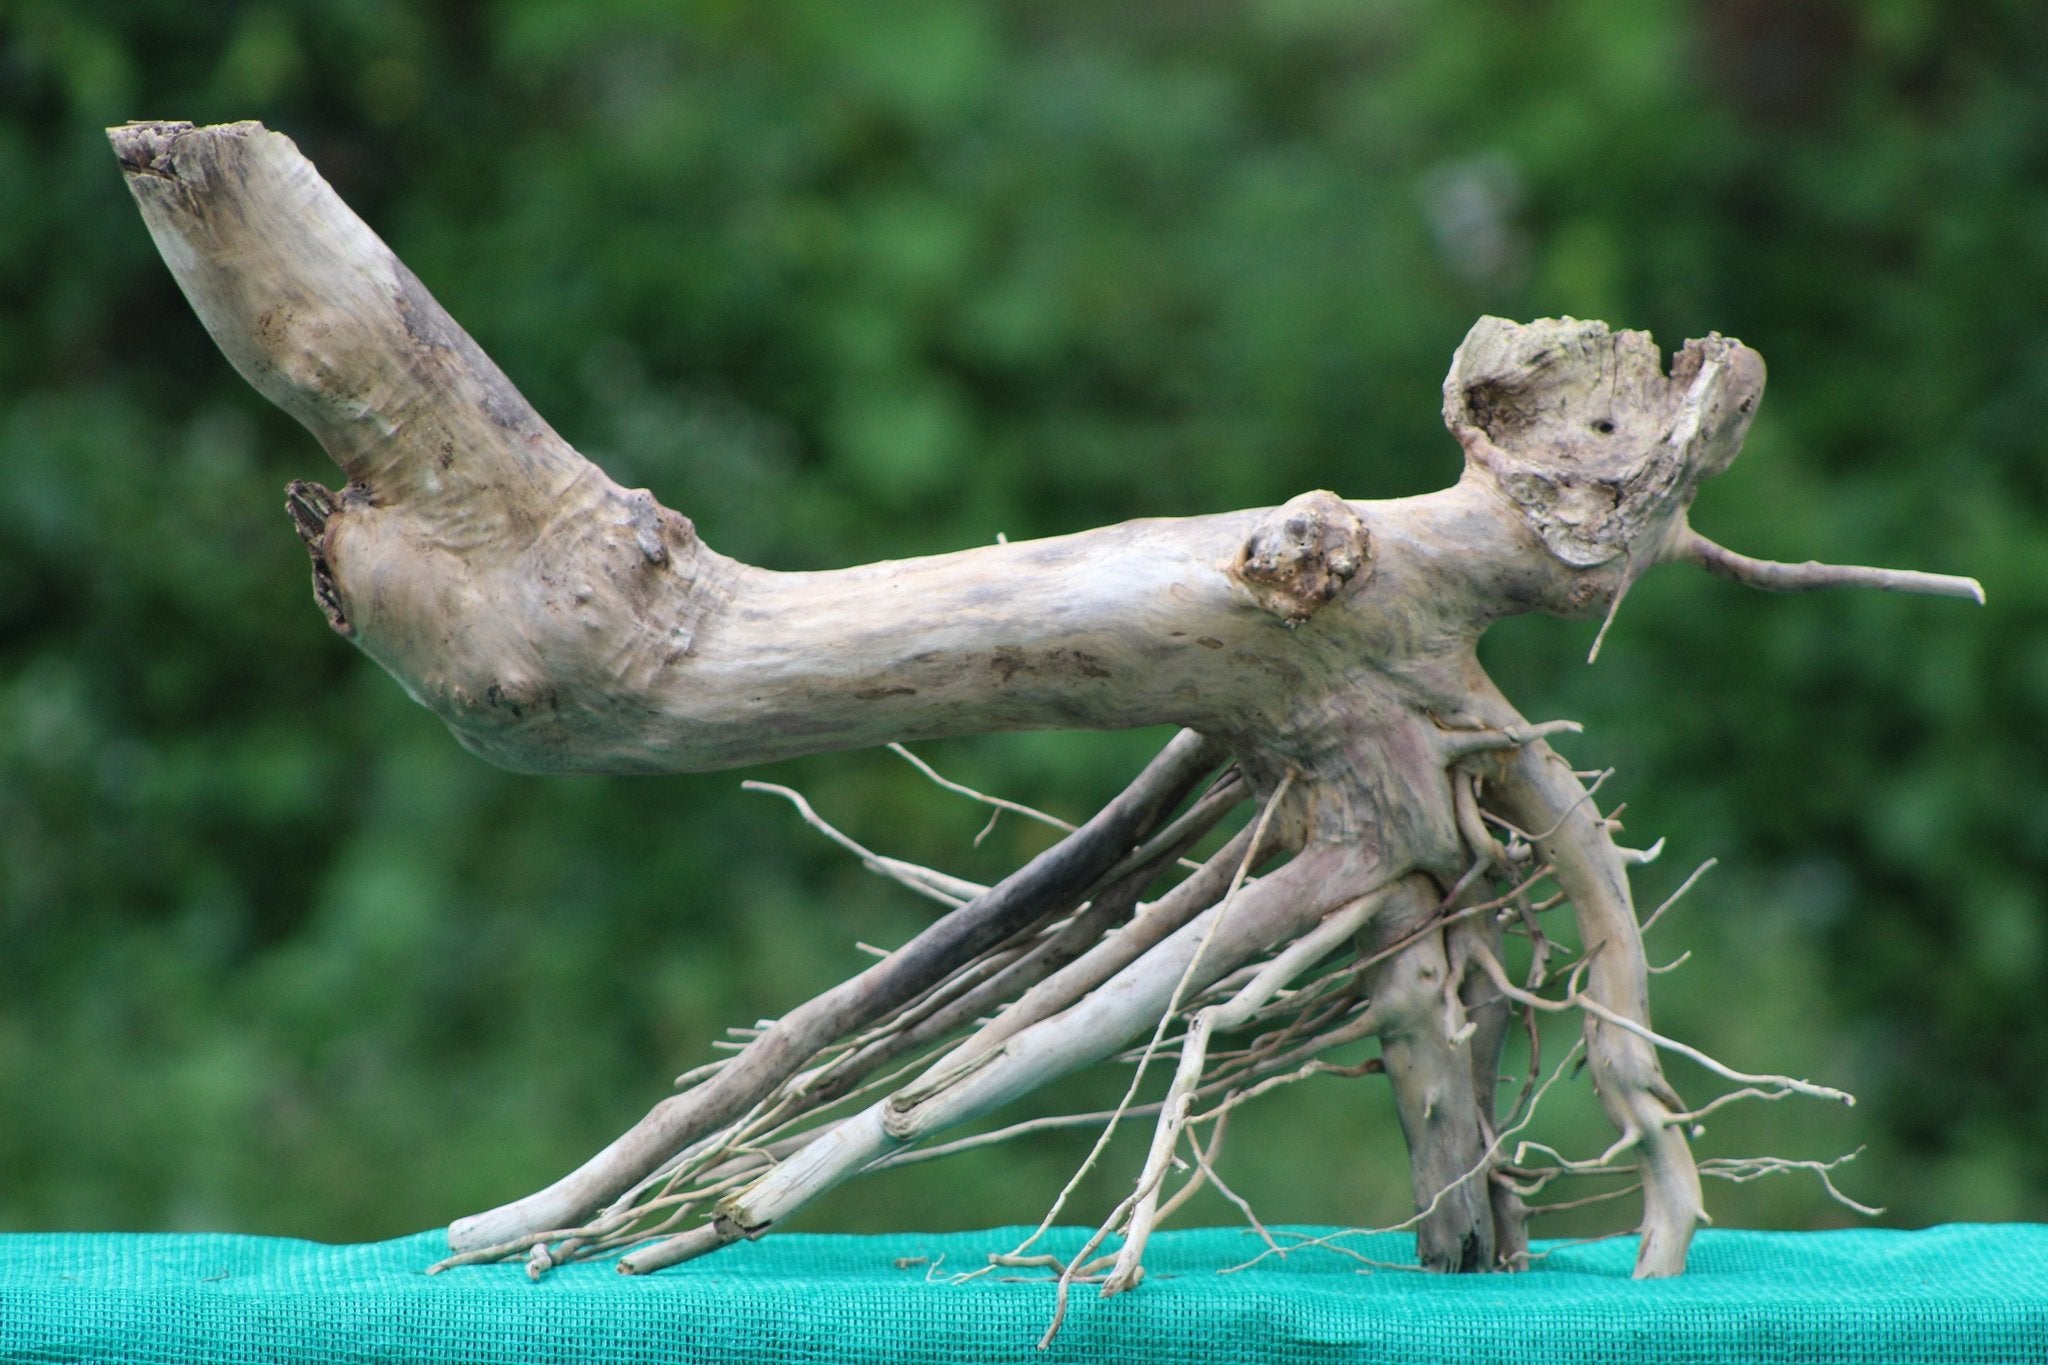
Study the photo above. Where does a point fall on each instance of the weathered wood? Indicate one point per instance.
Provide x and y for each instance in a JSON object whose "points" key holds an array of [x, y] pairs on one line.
{"points": [[560, 623], [1055, 880]]}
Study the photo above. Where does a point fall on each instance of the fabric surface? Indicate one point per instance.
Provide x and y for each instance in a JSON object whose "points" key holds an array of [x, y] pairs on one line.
{"points": [[1964, 1293]]}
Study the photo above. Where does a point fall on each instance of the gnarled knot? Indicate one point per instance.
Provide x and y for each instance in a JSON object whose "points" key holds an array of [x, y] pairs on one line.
{"points": [[1303, 554]]}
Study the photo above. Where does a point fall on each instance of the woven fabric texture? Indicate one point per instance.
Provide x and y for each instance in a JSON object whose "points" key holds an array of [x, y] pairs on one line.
{"points": [[1976, 1293]]}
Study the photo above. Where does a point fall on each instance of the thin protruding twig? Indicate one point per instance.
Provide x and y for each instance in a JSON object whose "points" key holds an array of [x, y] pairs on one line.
{"points": [[1742, 1170], [1463, 743], [1683, 887], [1638, 857], [911, 1156], [1465, 807], [1599, 781], [997, 802], [947, 890], [1771, 576], [1578, 1000], [1613, 609]]}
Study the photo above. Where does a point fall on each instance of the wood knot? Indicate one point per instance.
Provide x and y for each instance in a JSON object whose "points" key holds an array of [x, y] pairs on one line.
{"points": [[1303, 554], [657, 531]]}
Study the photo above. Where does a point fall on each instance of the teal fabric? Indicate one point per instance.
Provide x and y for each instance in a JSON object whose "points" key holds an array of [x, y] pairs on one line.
{"points": [[1947, 1294]]}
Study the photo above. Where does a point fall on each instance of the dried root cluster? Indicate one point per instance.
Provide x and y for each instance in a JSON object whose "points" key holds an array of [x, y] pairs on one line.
{"points": [[1419, 966], [1413, 865]]}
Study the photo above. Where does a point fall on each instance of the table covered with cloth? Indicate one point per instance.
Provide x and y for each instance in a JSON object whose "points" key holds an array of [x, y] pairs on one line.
{"points": [[1960, 1293]]}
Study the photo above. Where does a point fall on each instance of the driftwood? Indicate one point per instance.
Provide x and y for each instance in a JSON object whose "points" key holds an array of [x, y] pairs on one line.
{"points": [[1411, 828]]}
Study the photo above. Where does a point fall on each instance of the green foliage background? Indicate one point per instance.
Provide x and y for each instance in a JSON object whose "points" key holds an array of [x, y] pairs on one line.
{"points": [[846, 281]]}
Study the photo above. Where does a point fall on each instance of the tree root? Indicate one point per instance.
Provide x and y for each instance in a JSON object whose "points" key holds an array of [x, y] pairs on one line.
{"points": [[1323, 951], [1414, 829], [1048, 885]]}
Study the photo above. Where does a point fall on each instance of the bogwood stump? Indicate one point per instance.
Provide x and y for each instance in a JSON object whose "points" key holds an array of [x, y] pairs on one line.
{"points": [[1319, 657]]}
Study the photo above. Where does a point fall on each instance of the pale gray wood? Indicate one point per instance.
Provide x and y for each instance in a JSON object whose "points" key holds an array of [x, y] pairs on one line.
{"points": [[560, 623]]}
